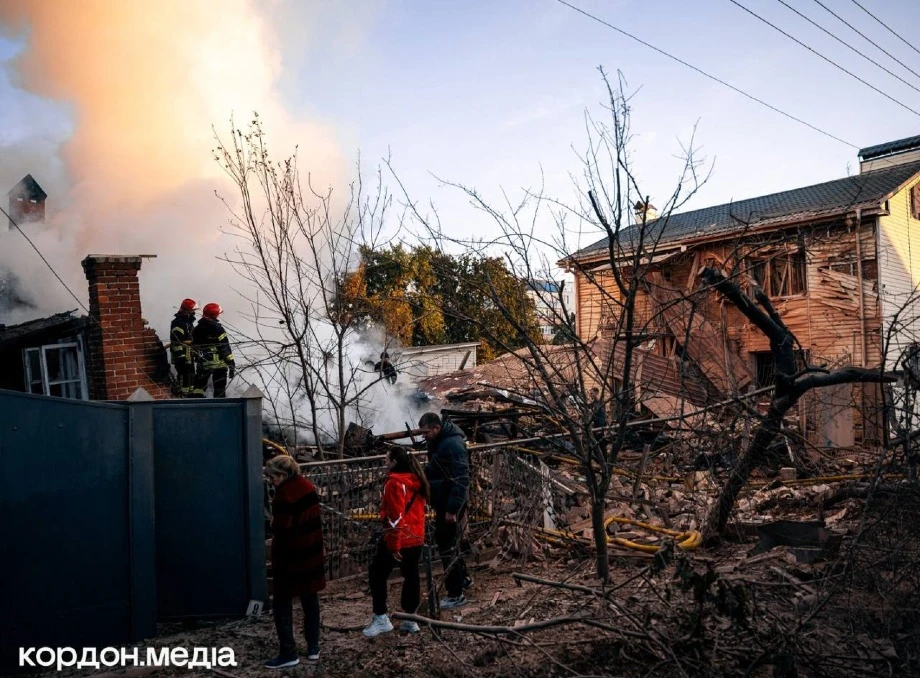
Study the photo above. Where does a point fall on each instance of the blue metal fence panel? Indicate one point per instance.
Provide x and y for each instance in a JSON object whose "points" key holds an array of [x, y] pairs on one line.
{"points": [[204, 485], [65, 486], [116, 515]]}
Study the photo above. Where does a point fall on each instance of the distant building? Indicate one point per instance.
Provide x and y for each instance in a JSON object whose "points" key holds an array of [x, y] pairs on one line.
{"points": [[420, 362], [548, 304], [27, 201]]}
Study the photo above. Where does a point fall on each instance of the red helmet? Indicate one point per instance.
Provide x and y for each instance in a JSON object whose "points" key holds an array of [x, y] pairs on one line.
{"points": [[188, 305], [212, 310]]}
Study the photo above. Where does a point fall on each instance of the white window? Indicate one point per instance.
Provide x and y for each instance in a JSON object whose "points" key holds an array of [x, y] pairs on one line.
{"points": [[56, 370]]}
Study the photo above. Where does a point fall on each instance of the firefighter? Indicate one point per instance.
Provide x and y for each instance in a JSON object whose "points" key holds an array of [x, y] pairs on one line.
{"points": [[212, 353], [385, 367], [180, 346]]}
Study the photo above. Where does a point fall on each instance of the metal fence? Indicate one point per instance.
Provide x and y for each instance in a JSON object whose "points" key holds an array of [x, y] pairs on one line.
{"points": [[508, 487], [117, 515]]}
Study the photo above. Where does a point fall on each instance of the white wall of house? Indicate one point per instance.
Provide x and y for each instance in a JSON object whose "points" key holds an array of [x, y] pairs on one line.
{"points": [[418, 362]]}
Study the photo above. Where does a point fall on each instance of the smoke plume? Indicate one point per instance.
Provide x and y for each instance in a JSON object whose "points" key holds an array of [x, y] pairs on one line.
{"points": [[110, 106], [139, 85]]}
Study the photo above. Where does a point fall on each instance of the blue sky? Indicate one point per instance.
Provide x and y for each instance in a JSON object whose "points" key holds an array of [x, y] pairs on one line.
{"points": [[491, 94], [485, 93]]}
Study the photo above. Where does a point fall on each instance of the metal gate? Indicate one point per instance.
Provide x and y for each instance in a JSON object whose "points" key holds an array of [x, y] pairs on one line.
{"points": [[116, 515]]}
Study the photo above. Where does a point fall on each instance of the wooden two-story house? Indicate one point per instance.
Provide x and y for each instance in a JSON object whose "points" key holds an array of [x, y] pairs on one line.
{"points": [[840, 261]]}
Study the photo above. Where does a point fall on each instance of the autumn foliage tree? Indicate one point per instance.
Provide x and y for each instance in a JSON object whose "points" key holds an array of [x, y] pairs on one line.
{"points": [[423, 296]]}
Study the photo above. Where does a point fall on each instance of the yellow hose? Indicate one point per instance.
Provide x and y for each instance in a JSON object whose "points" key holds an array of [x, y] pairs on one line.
{"points": [[376, 516], [686, 540]]}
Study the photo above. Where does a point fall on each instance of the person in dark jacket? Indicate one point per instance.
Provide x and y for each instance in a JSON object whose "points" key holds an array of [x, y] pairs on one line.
{"points": [[448, 472], [402, 512], [386, 368], [298, 560], [598, 416], [180, 346], [212, 353]]}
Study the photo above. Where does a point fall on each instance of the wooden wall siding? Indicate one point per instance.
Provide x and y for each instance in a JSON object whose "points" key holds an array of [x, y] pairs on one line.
{"points": [[655, 374], [825, 319], [704, 341], [899, 273], [591, 302]]}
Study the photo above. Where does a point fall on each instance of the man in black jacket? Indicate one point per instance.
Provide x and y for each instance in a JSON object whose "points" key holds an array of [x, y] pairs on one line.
{"points": [[213, 353], [448, 472]]}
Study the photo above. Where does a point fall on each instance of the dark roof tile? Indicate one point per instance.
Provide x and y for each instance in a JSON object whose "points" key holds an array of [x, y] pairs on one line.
{"points": [[811, 202]]}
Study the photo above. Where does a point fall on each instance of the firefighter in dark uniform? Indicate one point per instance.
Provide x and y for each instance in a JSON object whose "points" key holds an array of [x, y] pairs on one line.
{"points": [[180, 346], [212, 353]]}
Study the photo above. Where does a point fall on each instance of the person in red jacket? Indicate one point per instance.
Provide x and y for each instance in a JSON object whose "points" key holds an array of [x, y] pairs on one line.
{"points": [[298, 561], [405, 494]]}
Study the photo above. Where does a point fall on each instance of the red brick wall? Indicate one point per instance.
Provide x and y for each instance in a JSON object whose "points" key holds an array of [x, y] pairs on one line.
{"points": [[123, 353]]}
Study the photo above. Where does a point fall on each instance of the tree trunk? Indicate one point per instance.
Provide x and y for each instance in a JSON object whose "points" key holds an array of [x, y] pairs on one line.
{"points": [[752, 456], [598, 506]]}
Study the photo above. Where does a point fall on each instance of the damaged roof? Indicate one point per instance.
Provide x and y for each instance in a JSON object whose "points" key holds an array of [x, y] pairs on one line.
{"points": [[11, 335], [831, 198], [512, 372]]}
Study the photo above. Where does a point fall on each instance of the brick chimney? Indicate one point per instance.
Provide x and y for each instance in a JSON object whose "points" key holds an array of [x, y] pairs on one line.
{"points": [[123, 353]]}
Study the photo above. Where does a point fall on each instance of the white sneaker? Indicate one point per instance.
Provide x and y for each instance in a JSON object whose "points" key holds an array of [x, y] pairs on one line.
{"points": [[457, 601], [408, 626], [379, 624]]}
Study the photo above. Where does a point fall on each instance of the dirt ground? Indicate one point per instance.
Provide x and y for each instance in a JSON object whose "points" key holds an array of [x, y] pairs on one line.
{"points": [[495, 599]]}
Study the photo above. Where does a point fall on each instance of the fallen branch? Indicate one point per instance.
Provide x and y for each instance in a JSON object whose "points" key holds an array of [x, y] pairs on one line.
{"points": [[513, 630], [493, 630]]}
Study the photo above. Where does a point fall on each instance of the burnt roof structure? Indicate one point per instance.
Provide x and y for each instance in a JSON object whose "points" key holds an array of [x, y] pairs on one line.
{"points": [[12, 335]]}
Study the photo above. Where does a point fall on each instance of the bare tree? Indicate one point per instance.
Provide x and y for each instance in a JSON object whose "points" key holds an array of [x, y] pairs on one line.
{"points": [[790, 383], [560, 376], [297, 243]]}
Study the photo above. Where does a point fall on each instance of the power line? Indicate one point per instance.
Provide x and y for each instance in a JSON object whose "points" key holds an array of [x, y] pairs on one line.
{"points": [[849, 46], [711, 77], [42, 256], [886, 28], [61, 280], [830, 61]]}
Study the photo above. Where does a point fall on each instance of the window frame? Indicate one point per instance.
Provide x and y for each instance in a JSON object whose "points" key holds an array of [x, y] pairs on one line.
{"points": [[69, 384], [767, 279]]}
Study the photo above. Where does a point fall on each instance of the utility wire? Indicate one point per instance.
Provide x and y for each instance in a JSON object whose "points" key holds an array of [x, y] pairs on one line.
{"points": [[849, 46], [42, 256], [61, 280], [886, 28], [830, 61], [711, 77]]}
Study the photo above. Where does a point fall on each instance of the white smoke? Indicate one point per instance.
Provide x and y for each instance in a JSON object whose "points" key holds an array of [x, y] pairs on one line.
{"points": [[110, 106]]}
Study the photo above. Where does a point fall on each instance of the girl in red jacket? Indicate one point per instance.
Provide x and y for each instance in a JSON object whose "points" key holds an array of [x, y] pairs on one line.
{"points": [[402, 511]]}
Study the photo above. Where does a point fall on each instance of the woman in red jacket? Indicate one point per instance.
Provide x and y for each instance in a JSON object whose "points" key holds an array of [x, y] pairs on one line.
{"points": [[405, 494], [298, 561]]}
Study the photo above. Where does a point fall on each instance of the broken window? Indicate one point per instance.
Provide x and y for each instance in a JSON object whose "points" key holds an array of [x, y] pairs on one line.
{"points": [[56, 370], [781, 275], [846, 263]]}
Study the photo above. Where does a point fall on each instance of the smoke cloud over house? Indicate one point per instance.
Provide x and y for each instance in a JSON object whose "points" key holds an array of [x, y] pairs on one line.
{"points": [[113, 106]]}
